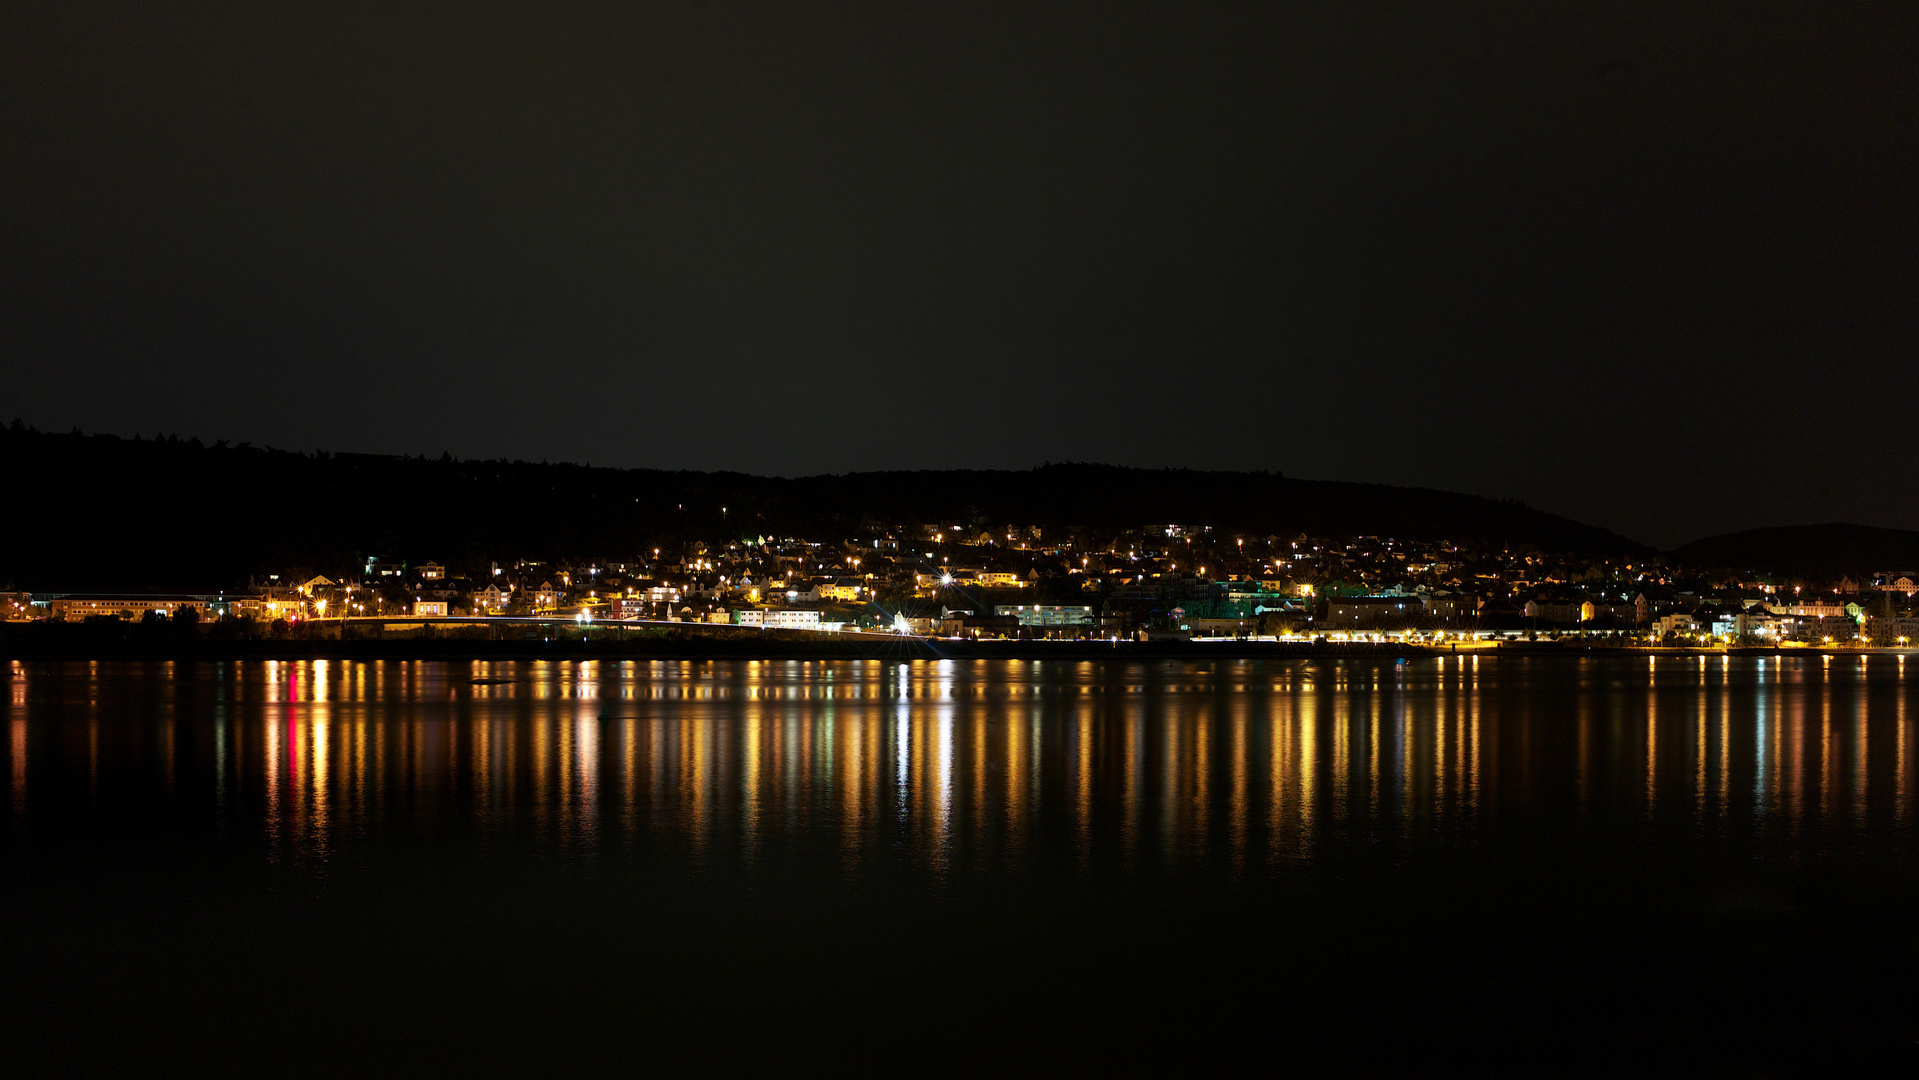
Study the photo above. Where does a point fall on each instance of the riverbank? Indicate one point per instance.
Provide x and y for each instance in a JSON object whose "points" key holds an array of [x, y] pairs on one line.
{"points": [[754, 647], [777, 645]]}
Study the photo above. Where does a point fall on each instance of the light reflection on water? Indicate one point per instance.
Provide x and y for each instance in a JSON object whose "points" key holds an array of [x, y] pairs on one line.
{"points": [[1247, 767]]}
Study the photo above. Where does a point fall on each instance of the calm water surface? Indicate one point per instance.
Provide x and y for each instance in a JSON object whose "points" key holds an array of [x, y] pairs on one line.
{"points": [[994, 866]]}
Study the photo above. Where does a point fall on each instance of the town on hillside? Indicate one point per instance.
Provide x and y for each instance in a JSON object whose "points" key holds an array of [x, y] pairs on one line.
{"points": [[1007, 581]]}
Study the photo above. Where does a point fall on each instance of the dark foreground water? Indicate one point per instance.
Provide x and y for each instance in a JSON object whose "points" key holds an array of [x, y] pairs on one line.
{"points": [[1555, 865]]}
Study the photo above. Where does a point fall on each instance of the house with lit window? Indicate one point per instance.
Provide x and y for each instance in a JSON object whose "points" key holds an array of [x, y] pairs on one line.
{"points": [[627, 607], [699, 611], [492, 600], [847, 589], [270, 602], [1678, 622], [659, 594], [377, 567], [823, 589], [1557, 610]]}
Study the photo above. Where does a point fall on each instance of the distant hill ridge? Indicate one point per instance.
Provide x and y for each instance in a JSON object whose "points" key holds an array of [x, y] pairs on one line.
{"points": [[100, 511], [1831, 550]]}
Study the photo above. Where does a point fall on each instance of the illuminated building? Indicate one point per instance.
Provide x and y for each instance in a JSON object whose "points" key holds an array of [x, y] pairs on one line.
{"points": [[76, 606], [778, 618], [1047, 614], [492, 599]]}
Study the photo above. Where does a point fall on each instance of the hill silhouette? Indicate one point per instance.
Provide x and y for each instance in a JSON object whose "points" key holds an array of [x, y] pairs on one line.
{"points": [[99, 511], [1820, 551]]}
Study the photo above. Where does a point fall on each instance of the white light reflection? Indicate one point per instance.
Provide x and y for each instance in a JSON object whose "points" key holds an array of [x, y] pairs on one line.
{"points": [[902, 740]]}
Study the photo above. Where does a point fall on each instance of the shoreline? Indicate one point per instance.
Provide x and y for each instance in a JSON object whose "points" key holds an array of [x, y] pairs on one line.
{"points": [[865, 647]]}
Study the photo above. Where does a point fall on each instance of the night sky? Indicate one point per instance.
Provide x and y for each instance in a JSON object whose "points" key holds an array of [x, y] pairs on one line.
{"points": [[1652, 266]]}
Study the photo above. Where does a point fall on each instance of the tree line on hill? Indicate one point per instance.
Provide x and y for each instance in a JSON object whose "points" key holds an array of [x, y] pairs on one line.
{"points": [[101, 511]]}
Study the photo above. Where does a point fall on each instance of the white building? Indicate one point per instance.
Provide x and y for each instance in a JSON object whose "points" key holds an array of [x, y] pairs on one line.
{"points": [[1675, 624], [1747, 624], [492, 599], [778, 618], [1811, 609], [1047, 614]]}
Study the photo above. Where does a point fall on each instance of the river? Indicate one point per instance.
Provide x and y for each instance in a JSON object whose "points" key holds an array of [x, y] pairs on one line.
{"points": [[1558, 864]]}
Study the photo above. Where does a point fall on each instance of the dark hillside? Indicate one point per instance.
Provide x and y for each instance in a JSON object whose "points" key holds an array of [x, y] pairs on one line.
{"points": [[1818, 551], [98, 511]]}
